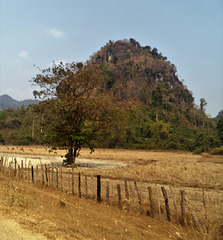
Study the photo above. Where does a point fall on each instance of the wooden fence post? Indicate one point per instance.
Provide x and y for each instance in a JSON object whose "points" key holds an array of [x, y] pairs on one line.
{"points": [[61, 177], [69, 180], [21, 169], [29, 172], [32, 174], [37, 174], [57, 178], [119, 196], [139, 199], [18, 175], [15, 167], [52, 176], [73, 180], [1, 164], [166, 203], [46, 174], [79, 184], [107, 192], [182, 192], [204, 202], [91, 189], [5, 166], [126, 195], [86, 187], [151, 201], [9, 169], [131, 192], [98, 188], [42, 174]]}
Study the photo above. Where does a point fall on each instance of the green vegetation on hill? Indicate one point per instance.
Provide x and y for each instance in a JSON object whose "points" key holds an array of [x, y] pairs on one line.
{"points": [[135, 100], [16, 126]]}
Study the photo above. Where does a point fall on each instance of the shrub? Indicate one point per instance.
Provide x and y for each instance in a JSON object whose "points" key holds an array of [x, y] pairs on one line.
{"points": [[2, 141], [198, 150], [217, 151]]}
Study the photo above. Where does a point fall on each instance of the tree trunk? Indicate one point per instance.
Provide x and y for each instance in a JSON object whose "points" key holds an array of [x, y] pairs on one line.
{"points": [[70, 158], [157, 115], [73, 152]]}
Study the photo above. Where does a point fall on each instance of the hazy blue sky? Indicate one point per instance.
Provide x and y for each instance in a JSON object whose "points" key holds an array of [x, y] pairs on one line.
{"points": [[188, 32]]}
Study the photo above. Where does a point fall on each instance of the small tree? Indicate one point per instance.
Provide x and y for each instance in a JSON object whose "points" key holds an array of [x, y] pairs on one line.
{"points": [[157, 100], [72, 106], [203, 103], [220, 129]]}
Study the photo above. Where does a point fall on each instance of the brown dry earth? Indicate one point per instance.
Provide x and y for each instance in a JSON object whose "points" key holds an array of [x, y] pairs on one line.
{"points": [[11, 230], [30, 212], [40, 211]]}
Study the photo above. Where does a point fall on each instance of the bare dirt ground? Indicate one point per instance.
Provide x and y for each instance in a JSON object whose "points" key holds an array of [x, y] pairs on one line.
{"points": [[175, 168], [40, 211], [29, 212], [11, 230]]}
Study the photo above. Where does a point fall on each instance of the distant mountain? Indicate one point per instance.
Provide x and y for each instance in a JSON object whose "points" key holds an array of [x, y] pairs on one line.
{"points": [[8, 102]]}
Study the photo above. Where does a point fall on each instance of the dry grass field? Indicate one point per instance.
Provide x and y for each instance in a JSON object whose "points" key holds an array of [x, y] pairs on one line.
{"points": [[200, 176]]}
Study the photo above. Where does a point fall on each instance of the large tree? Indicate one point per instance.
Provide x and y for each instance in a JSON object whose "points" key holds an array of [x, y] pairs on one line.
{"points": [[70, 112]]}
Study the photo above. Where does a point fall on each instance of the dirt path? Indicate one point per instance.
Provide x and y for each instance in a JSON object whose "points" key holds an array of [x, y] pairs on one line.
{"points": [[11, 230]]}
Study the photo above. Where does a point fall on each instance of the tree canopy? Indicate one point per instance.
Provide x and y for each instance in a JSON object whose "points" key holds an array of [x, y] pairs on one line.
{"points": [[72, 108]]}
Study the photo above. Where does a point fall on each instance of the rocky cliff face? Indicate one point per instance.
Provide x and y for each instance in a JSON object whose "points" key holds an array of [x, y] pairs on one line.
{"points": [[133, 72]]}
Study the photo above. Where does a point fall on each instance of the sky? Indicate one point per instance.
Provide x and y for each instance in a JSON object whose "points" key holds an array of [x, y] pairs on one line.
{"points": [[38, 32]]}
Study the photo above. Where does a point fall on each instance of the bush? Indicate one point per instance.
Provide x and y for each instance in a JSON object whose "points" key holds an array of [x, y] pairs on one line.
{"points": [[198, 150], [2, 141], [22, 141], [217, 151], [172, 146]]}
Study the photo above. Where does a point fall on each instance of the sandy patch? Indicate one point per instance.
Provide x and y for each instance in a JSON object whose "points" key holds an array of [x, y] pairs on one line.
{"points": [[58, 161]]}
